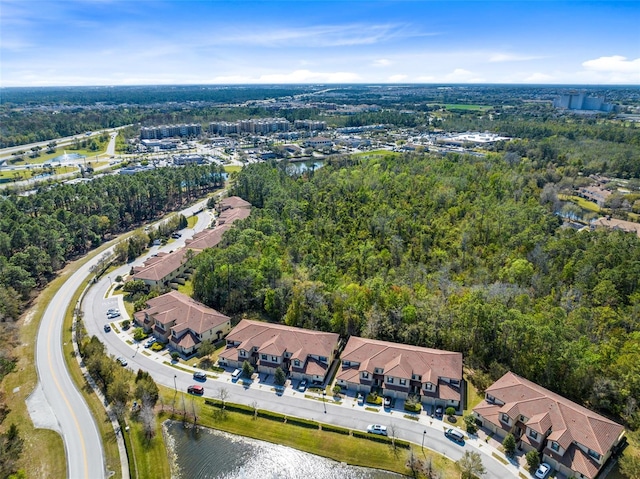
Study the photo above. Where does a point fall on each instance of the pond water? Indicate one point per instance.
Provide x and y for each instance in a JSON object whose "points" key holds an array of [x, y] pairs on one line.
{"points": [[208, 454]]}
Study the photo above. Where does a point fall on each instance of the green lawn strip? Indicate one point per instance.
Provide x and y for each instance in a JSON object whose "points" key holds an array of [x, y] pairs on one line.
{"points": [[334, 445], [473, 398], [499, 458], [151, 458], [232, 168], [191, 221]]}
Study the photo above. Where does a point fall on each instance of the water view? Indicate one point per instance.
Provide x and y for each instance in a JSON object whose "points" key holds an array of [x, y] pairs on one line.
{"points": [[208, 454]]}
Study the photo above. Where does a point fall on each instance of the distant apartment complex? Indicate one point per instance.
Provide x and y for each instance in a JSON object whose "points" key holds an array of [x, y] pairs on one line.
{"points": [[310, 125], [168, 131], [582, 102], [260, 126]]}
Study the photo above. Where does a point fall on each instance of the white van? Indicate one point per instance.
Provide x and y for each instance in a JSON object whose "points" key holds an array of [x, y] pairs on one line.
{"points": [[236, 374]]}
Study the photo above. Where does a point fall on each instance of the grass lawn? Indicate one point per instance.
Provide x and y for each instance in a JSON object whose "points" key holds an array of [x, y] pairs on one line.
{"points": [[191, 221], [232, 168], [582, 203], [473, 398], [186, 288], [377, 153], [452, 106]]}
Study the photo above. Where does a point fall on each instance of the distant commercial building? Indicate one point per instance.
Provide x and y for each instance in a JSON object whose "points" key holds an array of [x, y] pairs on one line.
{"points": [[159, 144], [582, 102], [182, 160], [168, 131], [318, 142], [260, 126]]}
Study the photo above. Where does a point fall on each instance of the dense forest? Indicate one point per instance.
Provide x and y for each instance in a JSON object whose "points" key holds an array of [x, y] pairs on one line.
{"points": [[457, 253], [40, 232]]}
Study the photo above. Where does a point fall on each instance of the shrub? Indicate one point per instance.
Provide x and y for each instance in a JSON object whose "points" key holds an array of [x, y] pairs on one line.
{"points": [[373, 398], [450, 411], [175, 355], [139, 334], [157, 346], [125, 324], [412, 407]]}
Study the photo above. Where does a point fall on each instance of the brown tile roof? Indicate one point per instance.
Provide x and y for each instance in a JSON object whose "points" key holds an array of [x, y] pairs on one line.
{"points": [[615, 224], [401, 360], [188, 314], [208, 238], [570, 421], [158, 268], [233, 202], [231, 215], [277, 338], [577, 460]]}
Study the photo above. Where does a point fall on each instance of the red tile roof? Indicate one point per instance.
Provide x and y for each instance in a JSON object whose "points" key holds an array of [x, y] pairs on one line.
{"points": [[277, 338], [158, 268], [209, 238], [233, 202], [187, 313], [401, 360], [568, 420]]}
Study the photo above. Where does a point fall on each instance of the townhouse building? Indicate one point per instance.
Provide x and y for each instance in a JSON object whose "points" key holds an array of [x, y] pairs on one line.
{"points": [[182, 322], [571, 438], [300, 353], [399, 370]]}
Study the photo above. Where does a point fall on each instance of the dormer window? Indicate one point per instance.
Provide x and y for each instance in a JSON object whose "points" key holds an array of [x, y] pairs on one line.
{"points": [[555, 446], [296, 362], [378, 370], [346, 364], [365, 375], [416, 377], [533, 434], [242, 353], [594, 454], [505, 418]]}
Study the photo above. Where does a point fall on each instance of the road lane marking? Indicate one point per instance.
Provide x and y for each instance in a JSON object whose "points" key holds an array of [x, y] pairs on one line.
{"points": [[66, 400]]}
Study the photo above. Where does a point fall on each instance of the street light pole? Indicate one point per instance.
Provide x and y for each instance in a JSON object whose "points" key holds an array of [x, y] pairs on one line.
{"points": [[423, 434], [324, 394]]}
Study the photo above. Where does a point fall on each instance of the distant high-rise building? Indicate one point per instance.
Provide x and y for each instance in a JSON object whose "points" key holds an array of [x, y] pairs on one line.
{"points": [[580, 101], [168, 131], [260, 126]]}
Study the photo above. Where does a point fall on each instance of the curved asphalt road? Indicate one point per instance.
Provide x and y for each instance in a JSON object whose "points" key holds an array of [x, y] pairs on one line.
{"points": [[80, 435], [82, 442]]}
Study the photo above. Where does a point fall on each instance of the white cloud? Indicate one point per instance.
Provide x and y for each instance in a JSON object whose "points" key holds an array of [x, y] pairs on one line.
{"points": [[315, 36], [539, 78], [460, 75], [397, 78], [382, 62], [615, 63], [297, 76], [511, 57]]}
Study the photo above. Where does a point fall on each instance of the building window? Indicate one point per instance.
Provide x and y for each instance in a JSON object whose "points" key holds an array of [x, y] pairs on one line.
{"points": [[323, 359], [505, 418], [365, 374], [389, 379], [403, 382], [594, 454], [346, 364], [263, 357], [490, 398], [555, 446], [274, 359], [378, 371], [428, 386], [242, 353], [533, 434], [416, 377], [455, 382], [296, 362]]}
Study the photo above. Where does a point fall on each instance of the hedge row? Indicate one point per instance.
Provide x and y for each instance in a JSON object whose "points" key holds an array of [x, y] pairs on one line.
{"points": [[383, 439], [302, 422], [336, 429]]}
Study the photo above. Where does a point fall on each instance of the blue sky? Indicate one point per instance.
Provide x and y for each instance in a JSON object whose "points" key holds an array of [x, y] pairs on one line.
{"points": [[118, 42]]}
